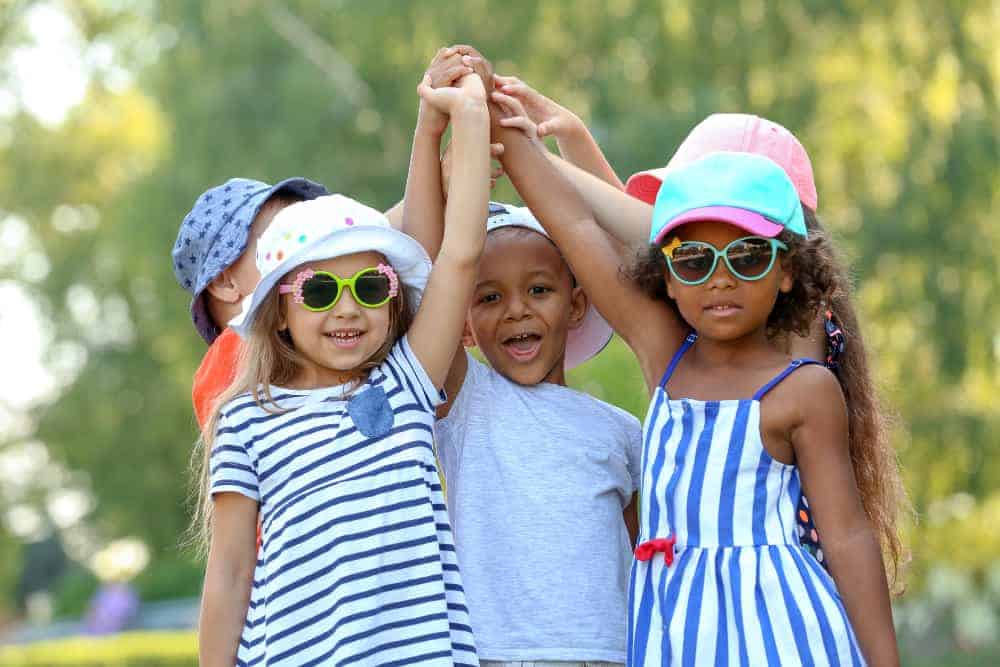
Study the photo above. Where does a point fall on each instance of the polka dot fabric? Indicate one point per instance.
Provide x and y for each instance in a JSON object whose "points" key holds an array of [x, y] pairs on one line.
{"points": [[807, 531]]}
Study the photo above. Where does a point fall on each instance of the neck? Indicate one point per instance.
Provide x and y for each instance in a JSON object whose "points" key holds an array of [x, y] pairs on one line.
{"points": [[220, 311], [733, 352], [557, 374], [318, 378]]}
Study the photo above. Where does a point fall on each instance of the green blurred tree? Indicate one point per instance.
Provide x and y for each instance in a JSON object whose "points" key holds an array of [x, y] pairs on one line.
{"points": [[895, 101]]}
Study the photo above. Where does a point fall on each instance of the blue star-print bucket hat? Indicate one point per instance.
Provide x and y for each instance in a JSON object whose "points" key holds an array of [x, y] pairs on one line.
{"points": [[215, 233]]}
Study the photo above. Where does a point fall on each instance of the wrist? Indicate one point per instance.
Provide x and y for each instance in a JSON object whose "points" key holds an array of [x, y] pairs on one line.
{"points": [[470, 110], [431, 122], [572, 128]]}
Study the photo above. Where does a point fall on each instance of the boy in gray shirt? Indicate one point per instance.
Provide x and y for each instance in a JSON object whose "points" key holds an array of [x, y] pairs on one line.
{"points": [[541, 478]]}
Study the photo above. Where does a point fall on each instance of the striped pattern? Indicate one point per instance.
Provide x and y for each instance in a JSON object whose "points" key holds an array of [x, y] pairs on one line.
{"points": [[357, 565], [741, 590]]}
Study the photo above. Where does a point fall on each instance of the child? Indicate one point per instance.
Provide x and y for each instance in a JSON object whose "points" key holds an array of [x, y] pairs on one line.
{"points": [[829, 335], [722, 472], [541, 478], [214, 261], [327, 428], [826, 337]]}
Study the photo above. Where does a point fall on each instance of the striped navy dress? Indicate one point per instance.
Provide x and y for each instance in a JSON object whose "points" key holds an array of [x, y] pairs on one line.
{"points": [[357, 564], [736, 588]]}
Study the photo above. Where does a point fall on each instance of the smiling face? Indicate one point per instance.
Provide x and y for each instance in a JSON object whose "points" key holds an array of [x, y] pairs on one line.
{"points": [[334, 343], [524, 306], [725, 307]]}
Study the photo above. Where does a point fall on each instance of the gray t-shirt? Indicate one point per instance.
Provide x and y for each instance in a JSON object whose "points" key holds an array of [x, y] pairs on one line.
{"points": [[537, 479]]}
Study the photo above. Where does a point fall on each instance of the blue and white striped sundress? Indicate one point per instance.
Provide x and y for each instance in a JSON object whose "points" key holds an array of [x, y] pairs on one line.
{"points": [[740, 590], [357, 564]]}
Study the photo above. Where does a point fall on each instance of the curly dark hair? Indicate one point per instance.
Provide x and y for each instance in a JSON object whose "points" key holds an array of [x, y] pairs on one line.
{"points": [[822, 283]]}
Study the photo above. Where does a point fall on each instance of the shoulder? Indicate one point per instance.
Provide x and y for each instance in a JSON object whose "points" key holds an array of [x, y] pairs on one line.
{"points": [[815, 393], [815, 381]]}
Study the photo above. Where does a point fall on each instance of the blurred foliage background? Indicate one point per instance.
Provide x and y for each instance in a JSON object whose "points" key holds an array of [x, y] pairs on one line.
{"points": [[115, 115]]}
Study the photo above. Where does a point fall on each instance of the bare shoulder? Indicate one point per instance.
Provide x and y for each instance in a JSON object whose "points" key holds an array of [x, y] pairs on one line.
{"points": [[814, 398], [815, 381]]}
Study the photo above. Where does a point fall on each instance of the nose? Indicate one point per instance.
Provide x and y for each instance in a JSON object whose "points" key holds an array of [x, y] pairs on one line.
{"points": [[346, 307], [721, 278], [516, 308]]}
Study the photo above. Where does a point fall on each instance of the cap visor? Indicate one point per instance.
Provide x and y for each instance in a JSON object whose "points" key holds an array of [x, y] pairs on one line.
{"points": [[746, 220], [645, 185]]}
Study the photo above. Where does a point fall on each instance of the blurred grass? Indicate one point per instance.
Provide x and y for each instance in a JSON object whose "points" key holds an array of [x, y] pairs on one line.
{"points": [[180, 649], [130, 649]]}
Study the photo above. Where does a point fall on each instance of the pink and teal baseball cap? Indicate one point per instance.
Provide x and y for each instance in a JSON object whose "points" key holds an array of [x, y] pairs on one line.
{"points": [[742, 189], [738, 133]]}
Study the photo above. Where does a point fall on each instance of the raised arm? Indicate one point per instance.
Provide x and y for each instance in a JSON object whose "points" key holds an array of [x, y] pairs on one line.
{"points": [[649, 326], [437, 327], [850, 545], [574, 140]]}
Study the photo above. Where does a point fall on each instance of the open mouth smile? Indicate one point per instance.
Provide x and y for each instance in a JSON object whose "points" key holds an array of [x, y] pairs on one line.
{"points": [[523, 346]]}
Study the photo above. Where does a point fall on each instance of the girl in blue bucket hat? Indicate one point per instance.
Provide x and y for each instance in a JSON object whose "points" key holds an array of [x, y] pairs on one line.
{"points": [[736, 430], [327, 432]]}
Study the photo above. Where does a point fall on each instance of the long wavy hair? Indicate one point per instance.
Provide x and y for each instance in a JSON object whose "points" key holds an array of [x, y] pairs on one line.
{"points": [[822, 282], [268, 358]]}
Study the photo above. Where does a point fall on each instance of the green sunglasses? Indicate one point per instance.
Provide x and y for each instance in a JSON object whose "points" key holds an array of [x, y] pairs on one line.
{"points": [[320, 290], [749, 258]]}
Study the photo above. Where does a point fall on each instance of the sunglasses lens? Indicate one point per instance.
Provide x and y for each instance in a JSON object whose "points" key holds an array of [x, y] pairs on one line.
{"points": [[750, 258], [372, 289], [692, 262], [319, 292]]}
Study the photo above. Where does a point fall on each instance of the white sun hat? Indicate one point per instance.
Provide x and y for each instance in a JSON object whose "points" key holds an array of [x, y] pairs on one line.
{"points": [[594, 333], [324, 228]]}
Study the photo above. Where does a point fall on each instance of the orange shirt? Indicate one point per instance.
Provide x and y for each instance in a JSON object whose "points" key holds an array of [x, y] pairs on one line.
{"points": [[217, 370]]}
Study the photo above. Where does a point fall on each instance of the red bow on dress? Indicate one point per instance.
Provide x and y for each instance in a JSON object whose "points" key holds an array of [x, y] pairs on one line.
{"points": [[646, 550]]}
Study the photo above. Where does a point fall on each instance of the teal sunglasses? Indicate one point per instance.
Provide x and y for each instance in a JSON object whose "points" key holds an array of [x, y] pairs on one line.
{"points": [[749, 258]]}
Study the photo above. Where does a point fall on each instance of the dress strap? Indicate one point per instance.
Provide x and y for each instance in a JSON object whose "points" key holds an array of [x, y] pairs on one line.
{"points": [[792, 367], [688, 342]]}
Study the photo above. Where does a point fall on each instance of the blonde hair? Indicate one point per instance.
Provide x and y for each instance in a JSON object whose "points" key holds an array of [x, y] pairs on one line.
{"points": [[268, 357]]}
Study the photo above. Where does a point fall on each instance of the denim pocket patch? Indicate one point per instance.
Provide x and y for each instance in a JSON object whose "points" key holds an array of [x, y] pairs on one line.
{"points": [[371, 412]]}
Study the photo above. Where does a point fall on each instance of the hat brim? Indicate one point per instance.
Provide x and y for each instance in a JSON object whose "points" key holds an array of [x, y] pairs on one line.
{"points": [[406, 256], [588, 339], [738, 217]]}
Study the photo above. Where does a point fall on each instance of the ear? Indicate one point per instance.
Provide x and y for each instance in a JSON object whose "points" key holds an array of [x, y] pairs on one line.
{"points": [[468, 338], [668, 281], [223, 288], [577, 307], [787, 280], [282, 316]]}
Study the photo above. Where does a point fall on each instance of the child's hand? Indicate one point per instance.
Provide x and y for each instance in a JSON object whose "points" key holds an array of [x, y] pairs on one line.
{"points": [[512, 114], [479, 63], [446, 69], [468, 95], [551, 118], [496, 150]]}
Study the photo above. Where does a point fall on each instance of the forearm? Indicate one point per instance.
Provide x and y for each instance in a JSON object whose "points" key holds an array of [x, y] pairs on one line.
{"points": [[578, 146], [423, 204], [622, 216], [857, 568], [468, 187], [224, 603]]}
